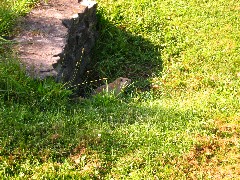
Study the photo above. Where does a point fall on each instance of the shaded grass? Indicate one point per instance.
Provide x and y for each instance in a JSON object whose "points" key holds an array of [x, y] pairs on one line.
{"points": [[187, 126]]}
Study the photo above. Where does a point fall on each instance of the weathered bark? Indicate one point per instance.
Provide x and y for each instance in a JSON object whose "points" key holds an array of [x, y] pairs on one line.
{"points": [[76, 54]]}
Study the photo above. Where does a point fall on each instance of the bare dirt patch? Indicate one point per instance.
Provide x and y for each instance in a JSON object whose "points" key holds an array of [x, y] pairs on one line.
{"points": [[42, 35]]}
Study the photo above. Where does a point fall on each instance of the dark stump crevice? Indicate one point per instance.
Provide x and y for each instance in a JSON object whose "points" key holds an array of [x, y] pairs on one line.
{"points": [[76, 56]]}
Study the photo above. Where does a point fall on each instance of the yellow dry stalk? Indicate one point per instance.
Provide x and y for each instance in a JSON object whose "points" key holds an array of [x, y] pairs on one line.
{"points": [[75, 75]]}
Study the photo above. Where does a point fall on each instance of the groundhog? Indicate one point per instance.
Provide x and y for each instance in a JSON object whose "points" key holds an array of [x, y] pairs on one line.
{"points": [[116, 86]]}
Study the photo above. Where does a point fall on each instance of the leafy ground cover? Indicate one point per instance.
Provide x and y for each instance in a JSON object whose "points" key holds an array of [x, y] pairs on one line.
{"points": [[10, 10], [179, 119]]}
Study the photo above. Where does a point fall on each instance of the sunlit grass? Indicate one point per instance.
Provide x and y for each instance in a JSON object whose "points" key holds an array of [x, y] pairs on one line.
{"points": [[179, 119], [10, 10]]}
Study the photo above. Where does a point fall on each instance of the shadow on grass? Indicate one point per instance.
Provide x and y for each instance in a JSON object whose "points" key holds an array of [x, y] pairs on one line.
{"points": [[119, 53]]}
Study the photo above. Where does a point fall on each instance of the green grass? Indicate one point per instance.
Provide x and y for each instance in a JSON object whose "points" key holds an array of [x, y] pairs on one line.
{"points": [[10, 10], [186, 127]]}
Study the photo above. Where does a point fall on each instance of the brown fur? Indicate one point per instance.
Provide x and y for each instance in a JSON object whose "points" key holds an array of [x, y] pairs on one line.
{"points": [[116, 86]]}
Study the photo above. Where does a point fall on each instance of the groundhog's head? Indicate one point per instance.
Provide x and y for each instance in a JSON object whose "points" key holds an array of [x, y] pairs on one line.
{"points": [[122, 82]]}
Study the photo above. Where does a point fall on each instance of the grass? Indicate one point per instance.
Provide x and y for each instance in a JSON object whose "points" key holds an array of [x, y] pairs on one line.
{"points": [[10, 10], [179, 119]]}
